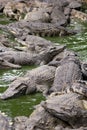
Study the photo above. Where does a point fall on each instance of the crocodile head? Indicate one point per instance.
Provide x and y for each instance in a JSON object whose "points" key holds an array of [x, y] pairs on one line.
{"points": [[48, 54], [16, 88], [5, 64], [20, 86]]}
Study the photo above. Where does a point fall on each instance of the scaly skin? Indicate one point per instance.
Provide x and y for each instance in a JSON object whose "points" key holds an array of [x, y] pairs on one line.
{"points": [[38, 79], [68, 72], [4, 64], [26, 58], [24, 28]]}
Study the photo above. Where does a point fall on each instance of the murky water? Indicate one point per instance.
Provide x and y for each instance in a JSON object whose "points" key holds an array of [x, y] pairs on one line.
{"points": [[24, 105]]}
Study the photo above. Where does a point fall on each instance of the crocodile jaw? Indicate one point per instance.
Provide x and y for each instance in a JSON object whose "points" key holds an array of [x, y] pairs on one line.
{"points": [[14, 91], [5, 64]]}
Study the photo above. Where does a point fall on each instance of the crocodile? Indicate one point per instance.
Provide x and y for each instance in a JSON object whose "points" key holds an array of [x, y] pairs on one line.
{"points": [[67, 73], [57, 59], [4, 64], [39, 79], [70, 74], [24, 27], [26, 58]]}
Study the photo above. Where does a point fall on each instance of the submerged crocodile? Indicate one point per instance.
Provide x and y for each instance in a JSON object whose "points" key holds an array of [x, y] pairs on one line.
{"points": [[39, 79], [26, 58]]}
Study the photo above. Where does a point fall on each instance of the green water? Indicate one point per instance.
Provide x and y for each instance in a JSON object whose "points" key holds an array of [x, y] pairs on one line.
{"points": [[24, 105]]}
